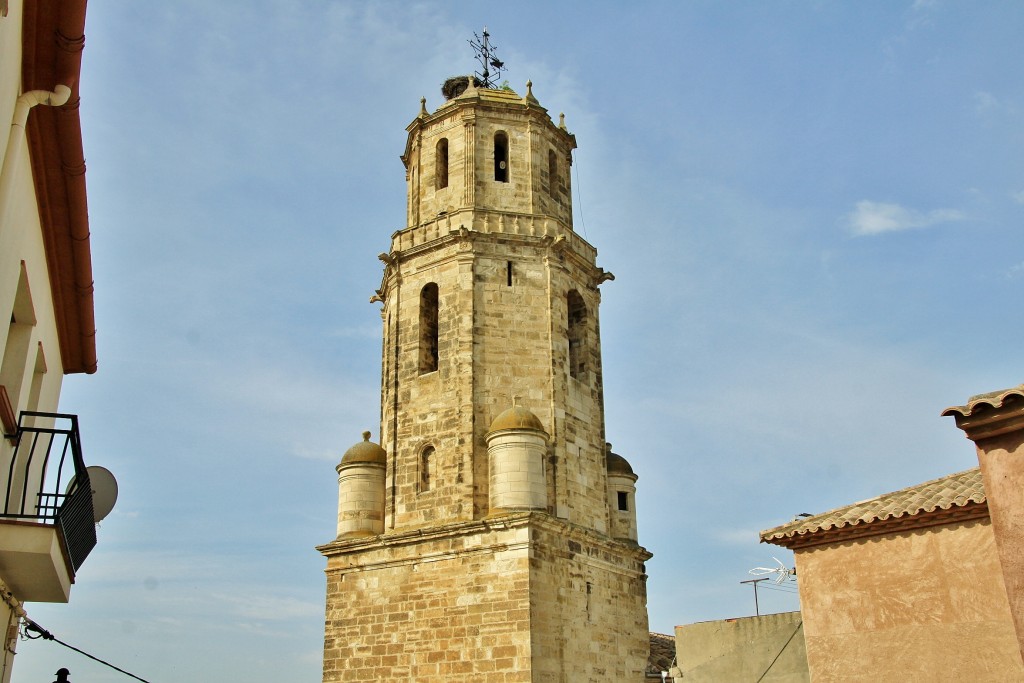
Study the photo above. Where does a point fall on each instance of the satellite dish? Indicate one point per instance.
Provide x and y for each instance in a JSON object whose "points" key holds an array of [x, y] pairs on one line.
{"points": [[104, 490]]}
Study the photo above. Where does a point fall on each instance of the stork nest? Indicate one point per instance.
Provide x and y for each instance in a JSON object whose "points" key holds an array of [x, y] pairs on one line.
{"points": [[456, 85]]}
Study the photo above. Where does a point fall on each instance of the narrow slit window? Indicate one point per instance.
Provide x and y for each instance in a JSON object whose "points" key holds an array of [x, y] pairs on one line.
{"points": [[428, 329], [577, 332], [441, 163], [426, 466], [623, 501], [508, 273], [501, 157]]}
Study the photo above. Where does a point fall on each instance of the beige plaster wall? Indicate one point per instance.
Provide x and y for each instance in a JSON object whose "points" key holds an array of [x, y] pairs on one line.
{"points": [[924, 605], [21, 240], [31, 369], [768, 648], [1003, 474], [10, 64]]}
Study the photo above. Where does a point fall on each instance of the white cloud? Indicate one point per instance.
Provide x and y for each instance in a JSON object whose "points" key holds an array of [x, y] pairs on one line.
{"points": [[355, 332], [255, 604], [921, 13], [319, 451], [1018, 196], [736, 536], [873, 218], [984, 102]]}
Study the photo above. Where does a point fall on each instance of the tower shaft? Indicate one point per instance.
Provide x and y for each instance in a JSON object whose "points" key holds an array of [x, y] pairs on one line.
{"points": [[508, 545]]}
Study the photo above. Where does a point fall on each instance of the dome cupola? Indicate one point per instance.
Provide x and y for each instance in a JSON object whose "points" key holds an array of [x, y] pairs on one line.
{"points": [[516, 448], [621, 496], [361, 490]]}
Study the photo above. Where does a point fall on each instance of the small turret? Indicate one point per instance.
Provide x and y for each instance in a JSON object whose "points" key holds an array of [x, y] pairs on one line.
{"points": [[621, 496], [361, 490], [516, 446]]}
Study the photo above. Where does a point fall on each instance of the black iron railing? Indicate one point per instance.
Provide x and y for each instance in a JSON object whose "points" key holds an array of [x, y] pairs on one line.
{"points": [[47, 457]]}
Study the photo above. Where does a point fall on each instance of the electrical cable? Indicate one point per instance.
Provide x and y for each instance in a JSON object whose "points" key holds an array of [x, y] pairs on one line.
{"points": [[782, 588], [43, 633], [791, 636]]}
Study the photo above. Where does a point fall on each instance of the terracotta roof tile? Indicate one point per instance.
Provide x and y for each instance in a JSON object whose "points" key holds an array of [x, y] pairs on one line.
{"points": [[915, 505], [993, 399], [662, 654]]}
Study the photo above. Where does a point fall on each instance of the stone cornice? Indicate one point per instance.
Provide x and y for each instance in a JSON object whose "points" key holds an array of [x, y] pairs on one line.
{"points": [[474, 223], [487, 221], [497, 523], [562, 243]]}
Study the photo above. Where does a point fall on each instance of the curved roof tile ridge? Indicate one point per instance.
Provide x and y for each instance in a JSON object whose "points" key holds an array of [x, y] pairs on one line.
{"points": [[987, 401], [931, 498]]}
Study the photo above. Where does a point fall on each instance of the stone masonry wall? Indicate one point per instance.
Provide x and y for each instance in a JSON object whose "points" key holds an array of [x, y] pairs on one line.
{"points": [[497, 343], [448, 606], [469, 124], [520, 349], [451, 592], [588, 598], [422, 410], [360, 500], [521, 597]]}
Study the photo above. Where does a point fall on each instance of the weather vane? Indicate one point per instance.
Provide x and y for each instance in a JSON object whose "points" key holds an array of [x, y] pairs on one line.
{"points": [[485, 55]]}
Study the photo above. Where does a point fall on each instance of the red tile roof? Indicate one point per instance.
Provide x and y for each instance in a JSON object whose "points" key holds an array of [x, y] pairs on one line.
{"points": [[959, 496], [993, 399]]}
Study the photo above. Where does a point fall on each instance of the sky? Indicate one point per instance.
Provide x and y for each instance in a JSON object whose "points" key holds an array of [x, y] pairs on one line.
{"points": [[813, 212]]}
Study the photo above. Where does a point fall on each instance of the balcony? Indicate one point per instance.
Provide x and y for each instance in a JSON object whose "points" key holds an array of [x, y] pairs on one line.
{"points": [[47, 527]]}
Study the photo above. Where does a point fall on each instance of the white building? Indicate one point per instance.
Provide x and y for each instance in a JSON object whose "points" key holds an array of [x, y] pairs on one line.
{"points": [[46, 296]]}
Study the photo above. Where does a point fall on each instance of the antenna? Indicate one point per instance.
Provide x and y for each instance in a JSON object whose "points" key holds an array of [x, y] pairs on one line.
{"points": [[488, 60], [784, 572], [757, 607]]}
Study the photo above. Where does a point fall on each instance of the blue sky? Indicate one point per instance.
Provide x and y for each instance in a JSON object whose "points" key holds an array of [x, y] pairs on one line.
{"points": [[813, 211]]}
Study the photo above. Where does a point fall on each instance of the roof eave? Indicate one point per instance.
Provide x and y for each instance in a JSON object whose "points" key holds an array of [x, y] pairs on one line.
{"points": [[53, 39], [897, 524]]}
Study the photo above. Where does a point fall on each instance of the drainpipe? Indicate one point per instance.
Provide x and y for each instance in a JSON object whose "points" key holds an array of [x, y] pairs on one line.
{"points": [[16, 138]]}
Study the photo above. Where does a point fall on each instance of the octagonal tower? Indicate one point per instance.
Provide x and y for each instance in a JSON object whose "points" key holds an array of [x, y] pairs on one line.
{"points": [[491, 379]]}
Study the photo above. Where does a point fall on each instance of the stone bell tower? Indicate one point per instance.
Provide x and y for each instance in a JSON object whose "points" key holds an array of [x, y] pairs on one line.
{"points": [[491, 535]]}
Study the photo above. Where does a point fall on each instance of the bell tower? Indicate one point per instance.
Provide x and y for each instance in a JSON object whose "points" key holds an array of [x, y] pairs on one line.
{"points": [[491, 535]]}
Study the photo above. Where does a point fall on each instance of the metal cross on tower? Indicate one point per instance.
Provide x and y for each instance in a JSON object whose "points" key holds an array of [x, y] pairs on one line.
{"points": [[488, 60]]}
